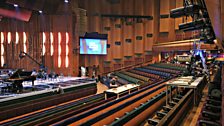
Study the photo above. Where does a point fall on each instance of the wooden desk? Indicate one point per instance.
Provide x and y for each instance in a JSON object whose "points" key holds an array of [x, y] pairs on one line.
{"points": [[121, 89], [184, 82]]}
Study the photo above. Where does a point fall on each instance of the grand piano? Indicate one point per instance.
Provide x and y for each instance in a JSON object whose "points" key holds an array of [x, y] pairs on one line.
{"points": [[17, 79]]}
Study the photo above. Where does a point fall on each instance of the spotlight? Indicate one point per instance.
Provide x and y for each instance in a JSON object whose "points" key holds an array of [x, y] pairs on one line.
{"points": [[15, 5], [40, 11], [184, 11], [66, 1], [194, 25]]}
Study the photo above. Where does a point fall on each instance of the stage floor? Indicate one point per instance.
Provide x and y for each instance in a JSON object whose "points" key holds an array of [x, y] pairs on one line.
{"points": [[41, 85]]}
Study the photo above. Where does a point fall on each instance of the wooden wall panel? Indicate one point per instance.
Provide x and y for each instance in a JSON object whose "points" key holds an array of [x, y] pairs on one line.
{"points": [[128, 39], [164, 25], [34, 41], [177, 22], [139, 31], [118, 31], [164, 7], [148, 25], [116, 39], [107, 30]]}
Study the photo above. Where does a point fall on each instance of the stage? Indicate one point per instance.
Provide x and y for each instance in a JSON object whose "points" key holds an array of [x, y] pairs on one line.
{"points": [[45, 85]]}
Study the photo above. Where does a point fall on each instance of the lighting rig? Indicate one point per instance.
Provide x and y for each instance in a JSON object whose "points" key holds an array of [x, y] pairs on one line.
{"points": [[197, 10]]}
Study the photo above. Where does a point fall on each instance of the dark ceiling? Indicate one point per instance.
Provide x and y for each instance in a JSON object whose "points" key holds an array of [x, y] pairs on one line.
{"points": [[27, 7]]}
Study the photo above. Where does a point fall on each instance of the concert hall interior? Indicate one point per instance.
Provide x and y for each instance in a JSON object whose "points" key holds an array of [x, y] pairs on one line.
{"points": [[111, 62]]}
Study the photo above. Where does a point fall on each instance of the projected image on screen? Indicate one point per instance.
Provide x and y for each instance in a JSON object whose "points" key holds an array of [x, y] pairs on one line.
{"points": [[93, 46]]}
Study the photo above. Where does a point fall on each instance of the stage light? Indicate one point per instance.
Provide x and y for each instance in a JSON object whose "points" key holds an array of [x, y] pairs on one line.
{"points": [[40, 11], [16, 5], [194, 25], [66, 1], [184, 11]]}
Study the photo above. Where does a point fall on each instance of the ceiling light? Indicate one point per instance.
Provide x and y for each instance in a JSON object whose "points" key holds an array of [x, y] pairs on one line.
{"points": [[40, 11], [66, 1], [15, 5]]}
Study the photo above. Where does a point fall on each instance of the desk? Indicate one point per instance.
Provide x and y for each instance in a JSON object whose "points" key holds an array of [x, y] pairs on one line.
{"points": [[121, 89], [184, 82]]}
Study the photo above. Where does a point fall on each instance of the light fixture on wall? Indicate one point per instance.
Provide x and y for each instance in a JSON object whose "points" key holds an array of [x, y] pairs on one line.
{"points": [[17, 37], [52, 41], [59, 49]]}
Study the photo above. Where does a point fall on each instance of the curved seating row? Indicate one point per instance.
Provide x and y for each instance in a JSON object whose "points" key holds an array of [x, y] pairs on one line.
{"points": [[57, 112], [174, 111], [164, 75], [161, 73], [130, 115], [128, 78], [122, 81], [211, 112], [122, 106], [151, 76], [178, 67], [72, 119], [163, 70], [146, 79]]}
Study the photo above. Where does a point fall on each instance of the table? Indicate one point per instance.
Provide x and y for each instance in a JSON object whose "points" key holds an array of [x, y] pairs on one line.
{"points": [[121, 89], [185, 82]]}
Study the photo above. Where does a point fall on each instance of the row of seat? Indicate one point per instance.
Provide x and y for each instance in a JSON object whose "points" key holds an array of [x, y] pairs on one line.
{"points": [[132, 114], [146, 79], [211, 112], [149, 75], [126, 104], [167, 114], [87, 113], [128, 78], [122, 81], [178, 67], [164, 70], [162, 74], [69, 108]]}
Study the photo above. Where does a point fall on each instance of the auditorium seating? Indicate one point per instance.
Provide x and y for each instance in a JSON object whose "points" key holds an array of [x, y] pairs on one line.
{"points": [[128, 78], [126, 104], [68, 109], [149, 75], [148, 99], [130, 115], [174, 111], [146, 79], [162, 74], [70, 120], [178, 67], [211, 112], [164, 70]]}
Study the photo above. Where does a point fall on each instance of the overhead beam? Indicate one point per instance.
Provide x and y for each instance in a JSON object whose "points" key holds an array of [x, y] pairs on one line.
{"points": [[126, 16]]}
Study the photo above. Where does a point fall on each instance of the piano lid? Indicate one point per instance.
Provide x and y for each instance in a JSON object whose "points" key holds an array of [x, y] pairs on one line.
{"points": [[20, 73]]}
